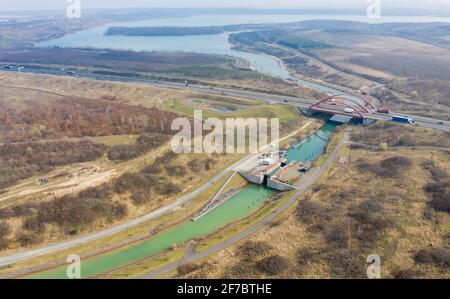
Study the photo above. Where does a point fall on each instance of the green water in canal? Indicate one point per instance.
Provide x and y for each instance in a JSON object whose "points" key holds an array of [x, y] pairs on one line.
{"points": [[313, 146], [239, 206], [234, 209]]}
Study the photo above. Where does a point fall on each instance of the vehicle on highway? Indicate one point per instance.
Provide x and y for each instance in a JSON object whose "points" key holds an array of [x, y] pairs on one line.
{"points": [[402, 119], [384, 110], [286, 101], [8, 67], [349, 110], [441, 123], [70, 73]]}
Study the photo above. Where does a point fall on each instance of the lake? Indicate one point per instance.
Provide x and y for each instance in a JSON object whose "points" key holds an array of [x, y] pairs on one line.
{"points": [[209, 44]]}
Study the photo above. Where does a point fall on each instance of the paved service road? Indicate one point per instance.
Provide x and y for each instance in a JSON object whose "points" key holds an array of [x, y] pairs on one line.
{"points": [[309, 181]]}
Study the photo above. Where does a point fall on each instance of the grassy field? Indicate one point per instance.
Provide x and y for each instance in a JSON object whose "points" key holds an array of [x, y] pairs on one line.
{"points": [[133, 94], [397, 135]]}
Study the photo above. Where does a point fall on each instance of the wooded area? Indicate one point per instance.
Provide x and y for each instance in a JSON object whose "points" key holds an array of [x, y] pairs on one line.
{"points": [[79, 117]]}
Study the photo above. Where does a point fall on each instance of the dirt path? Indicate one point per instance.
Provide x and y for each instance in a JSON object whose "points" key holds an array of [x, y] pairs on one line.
{"points": [[34, 89], [411, 147], [29, 187]]}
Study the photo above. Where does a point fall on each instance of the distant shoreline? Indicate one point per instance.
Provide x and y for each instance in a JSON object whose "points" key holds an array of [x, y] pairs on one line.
{"points": [[163, 31]]}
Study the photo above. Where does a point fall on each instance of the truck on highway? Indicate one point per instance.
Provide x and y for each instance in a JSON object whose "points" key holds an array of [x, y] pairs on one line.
{"points": [[349, 110], [384, 110], [402, 119], [8, 67]]}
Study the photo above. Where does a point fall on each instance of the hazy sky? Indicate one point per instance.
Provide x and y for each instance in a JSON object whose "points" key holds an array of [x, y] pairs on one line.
{"points": [[61, 4]]}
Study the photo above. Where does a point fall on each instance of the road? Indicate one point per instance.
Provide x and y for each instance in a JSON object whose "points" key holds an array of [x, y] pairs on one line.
{"points": [[308, 182], [24, 255], [269, 98]]}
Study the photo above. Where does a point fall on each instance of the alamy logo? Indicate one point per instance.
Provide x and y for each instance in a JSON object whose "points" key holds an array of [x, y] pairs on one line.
{"points": [[74, 9], [229, 138], [74, 269], [374, 9], [374, 269]]}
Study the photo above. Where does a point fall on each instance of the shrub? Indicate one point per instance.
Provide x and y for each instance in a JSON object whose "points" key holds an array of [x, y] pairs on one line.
{"points": [[139, 198], [345, 263], [396, 164], [306, 255], [34, 224], [241, 269], [439, 174], [187, 268], [437, 256], [167, 157], [169, 188], [144, 144], [309, 212], [391, 167], [123, 152], [370, 221], [133, 181], [4, 244], [178, 170], [272, 265], [441, 203], [440, 193], [406, 274], [338, 235], [28, 238], [153, 169], [254, 249], [201, 165], [119, 211], [5, 230]]}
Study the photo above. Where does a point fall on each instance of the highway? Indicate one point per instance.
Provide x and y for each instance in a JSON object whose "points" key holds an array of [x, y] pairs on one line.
{"points": [[269, 98]]}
